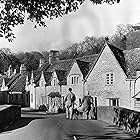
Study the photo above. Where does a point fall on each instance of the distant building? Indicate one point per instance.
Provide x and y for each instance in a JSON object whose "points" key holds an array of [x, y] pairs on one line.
{"points": [[13, 87]]}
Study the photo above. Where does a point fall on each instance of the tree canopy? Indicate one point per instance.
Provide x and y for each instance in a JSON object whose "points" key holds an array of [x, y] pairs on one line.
{"points": [[13, 12]]}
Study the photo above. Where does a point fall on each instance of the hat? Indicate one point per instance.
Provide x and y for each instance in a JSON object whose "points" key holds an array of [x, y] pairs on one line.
{"points": [[70, 89]]}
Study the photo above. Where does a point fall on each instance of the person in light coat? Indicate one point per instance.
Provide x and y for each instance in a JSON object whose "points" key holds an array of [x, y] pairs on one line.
{"points": [[69, 103]]}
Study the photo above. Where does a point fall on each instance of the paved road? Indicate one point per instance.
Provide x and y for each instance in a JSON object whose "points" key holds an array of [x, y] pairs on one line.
{"points": [[56, 127]]}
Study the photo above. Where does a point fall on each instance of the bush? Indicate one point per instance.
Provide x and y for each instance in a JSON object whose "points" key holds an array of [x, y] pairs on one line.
{"points": [[43, 108]]}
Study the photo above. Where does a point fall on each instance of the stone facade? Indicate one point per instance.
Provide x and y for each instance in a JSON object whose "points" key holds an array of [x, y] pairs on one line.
{"points": [[105, 78], [106, 93]]}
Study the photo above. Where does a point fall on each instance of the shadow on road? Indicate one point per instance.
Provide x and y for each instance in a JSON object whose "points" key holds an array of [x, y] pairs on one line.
{"points": [[20, 123]]}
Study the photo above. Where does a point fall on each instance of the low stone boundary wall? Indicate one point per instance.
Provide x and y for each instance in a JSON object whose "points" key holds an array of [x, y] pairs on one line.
{"points": [[8, 115], [122, 117]]}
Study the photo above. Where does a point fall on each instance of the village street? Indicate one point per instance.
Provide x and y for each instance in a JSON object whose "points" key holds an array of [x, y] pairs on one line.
{"points": [[56, 127]]}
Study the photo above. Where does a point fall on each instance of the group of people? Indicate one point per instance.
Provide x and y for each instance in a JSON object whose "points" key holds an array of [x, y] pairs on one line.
{"points": [[85, 106]]}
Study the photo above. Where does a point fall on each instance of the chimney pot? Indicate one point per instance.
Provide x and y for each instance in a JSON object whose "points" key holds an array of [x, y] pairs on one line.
{"points": [[41, 62], [53, 56], [22, 68]]}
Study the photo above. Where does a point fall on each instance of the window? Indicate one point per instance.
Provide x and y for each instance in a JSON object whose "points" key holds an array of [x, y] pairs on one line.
{"points": [[74, 80], [114, 102], [31, 97], [54, 82], [109, 79], [137, 101]]}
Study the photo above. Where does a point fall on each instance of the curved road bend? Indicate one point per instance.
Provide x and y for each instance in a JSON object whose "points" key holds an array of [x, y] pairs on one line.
{"points": [[56, 127]]}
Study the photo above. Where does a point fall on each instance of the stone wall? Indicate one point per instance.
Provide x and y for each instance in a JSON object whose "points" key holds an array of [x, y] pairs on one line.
{"points": [[121, 117], [8, 115]]}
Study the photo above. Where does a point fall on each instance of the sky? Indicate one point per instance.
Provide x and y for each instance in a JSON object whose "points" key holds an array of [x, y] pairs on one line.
{"points": [[89, 20]]}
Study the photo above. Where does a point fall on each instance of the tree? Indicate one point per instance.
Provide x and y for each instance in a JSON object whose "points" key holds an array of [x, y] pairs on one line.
{"points": [[15, 62], [13, 12], [30, 62], [72, 52], [133, 40], [93, 45], [121, 36]]}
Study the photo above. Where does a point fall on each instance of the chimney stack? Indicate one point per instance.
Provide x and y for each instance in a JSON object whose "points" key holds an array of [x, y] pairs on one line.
{"points": [[15, 71], [41, 62], [53, 56], [22, 68], [10, 71]]}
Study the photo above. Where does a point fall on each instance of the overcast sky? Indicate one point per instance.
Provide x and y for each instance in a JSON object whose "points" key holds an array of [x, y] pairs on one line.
{"points": [[89, 20]]}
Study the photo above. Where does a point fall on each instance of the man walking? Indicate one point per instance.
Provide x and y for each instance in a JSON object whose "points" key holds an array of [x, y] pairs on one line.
{"points": [[85, 106], [69, 103]]}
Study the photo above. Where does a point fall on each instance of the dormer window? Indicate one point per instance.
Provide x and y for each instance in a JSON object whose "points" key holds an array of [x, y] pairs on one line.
{"points": [[74, 79], [109, 79]]}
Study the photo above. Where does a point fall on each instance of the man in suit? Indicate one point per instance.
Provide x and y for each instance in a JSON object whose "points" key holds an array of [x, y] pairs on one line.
{"points": [[69, 103]]}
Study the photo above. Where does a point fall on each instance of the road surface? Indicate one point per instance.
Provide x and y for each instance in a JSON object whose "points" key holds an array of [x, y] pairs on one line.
{"points": [[56, 127]]}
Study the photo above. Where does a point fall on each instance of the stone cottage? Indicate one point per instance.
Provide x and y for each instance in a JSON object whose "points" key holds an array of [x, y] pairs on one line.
{"points": [[114, 79], [50, 83], [111, 77]]}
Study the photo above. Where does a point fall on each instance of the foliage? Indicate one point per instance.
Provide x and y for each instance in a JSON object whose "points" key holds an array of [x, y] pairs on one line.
{"points": [[90, 45], [8, 58], [4, 61], [93, 45], [126, 37], [30, 62], [15, 62], [30, 59], [13, 12], [127, 119]]}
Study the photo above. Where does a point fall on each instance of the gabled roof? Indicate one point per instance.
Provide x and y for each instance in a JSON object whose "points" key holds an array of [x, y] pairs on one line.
{"points": [[5, 77], [62, 76], [90, 58], [86, 62], [37, 73], [48, 76], [64, 65], [62, 69], [119, 55], [84, 67], [18, 83], [13, 78]]}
